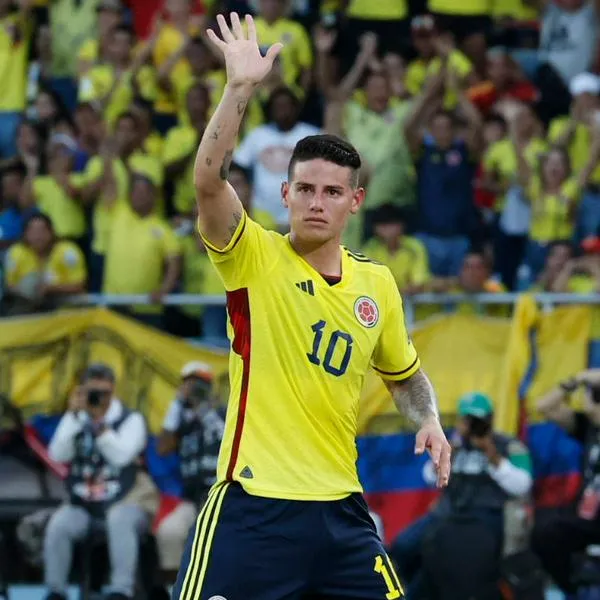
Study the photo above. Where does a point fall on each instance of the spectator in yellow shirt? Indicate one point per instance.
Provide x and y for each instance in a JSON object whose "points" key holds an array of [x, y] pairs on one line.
{"points": [[405, 256], [15, 34], [57, 193], [435, 50], [40, 270], [143, 255], [116, 82], [151, 141], [272, 26], [170, 37], [95, 50], [181, 145]]}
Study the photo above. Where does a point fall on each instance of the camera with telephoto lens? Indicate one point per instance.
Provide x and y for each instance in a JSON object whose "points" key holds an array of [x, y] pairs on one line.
{"points": [[94, 397], [199, 392], [479, 427]]}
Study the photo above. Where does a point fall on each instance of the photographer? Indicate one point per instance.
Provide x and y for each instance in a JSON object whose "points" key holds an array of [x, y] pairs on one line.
{"points": [[103, 442], [488, 470], [194, 427], [556, 541]]}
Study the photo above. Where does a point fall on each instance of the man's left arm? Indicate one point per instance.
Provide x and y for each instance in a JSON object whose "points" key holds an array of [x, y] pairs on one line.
{"points": [[122, 447], [513, 472], [395, 359]]}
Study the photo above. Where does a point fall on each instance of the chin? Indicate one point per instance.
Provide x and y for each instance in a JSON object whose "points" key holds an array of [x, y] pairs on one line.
{"points": [[314, 235]]}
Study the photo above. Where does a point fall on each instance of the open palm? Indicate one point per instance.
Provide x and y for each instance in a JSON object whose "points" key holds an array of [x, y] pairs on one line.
{"points": [[244, 63]]}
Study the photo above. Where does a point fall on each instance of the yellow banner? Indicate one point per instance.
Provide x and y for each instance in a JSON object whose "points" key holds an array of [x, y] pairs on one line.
{"points": [[41, 357]]}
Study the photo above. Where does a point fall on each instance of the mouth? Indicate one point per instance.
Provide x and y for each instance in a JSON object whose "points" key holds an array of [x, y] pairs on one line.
{"points": [[316, 221]]}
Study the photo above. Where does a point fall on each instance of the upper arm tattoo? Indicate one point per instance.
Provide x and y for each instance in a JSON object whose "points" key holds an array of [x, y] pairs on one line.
{"points": [[235, 221]]}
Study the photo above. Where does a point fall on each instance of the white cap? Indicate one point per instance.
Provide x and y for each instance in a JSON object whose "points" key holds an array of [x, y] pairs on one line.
{"points": [[198, 369], [585, 83]]}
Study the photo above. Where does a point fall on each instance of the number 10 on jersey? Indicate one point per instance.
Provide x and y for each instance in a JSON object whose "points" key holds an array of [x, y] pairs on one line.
{"points": [[324, 357]]}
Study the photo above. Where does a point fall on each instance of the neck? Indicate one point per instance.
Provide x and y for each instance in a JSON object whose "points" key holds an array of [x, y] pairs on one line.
{"points": [[393, 245], [325, 258]]}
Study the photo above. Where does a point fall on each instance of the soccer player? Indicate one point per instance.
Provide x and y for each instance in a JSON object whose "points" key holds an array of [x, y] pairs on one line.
{"points": [[286, 519]]}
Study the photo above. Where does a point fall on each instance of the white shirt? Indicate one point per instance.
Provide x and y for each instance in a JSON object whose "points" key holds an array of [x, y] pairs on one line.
{"points": [[119, 448], [568, 39], [267, 151]]}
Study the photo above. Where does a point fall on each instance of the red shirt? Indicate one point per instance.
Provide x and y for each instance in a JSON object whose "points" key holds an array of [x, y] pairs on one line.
{"points": [[485, 95], [144, 12]]}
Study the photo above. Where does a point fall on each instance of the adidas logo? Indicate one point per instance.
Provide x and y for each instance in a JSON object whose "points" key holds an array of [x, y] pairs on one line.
{"points": [[246, 473], [306, 286]]}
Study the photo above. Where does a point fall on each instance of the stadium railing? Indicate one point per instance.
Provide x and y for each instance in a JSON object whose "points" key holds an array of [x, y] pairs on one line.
{"points": [[546, 300]]}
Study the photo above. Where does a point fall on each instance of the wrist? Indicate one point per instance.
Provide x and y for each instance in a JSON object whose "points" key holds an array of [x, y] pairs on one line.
{"points": [[244, 89]]}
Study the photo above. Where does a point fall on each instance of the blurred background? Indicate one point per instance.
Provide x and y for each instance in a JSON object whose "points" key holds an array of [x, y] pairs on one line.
{"points": [[478, 122]]}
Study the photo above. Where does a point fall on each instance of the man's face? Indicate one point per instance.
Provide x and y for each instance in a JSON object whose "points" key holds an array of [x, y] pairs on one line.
{"points": [[198, 57], [378, 93], [126, 135], [442, 130], [107, 21], [474, 273], [198, 104], [423, 41], [12, 184], [271, 10], [499, 70], [120, 46], [389, 232], [320, 197], [284, 111], [60, 160], [38, 236], [558, 257], [143, 196]]}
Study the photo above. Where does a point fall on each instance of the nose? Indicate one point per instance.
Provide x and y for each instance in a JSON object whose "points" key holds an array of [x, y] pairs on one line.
{"points": [[316, 203]]}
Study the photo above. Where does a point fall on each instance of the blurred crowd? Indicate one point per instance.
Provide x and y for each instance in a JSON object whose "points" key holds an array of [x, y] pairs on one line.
{"points": [[478, 122]]}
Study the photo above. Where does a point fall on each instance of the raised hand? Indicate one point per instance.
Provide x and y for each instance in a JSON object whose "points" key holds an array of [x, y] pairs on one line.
{"points": [[243, 61]]}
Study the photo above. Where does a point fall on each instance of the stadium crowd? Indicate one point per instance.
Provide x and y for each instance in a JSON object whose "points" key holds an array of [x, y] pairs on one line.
{"points": [[478, 122]]}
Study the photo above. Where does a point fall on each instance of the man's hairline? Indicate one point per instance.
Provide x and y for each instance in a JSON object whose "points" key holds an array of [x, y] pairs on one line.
{"points": [[354, 173]]}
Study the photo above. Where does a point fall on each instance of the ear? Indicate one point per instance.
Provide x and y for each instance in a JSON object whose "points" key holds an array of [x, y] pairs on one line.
{"points": [[357, 200], [285, 190]]}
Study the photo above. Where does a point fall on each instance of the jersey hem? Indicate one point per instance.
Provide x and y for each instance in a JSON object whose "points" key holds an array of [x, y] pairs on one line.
{"points": [[253, 491]]}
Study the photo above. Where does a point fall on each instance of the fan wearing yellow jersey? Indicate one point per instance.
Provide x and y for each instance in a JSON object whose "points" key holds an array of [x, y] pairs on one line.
{"points": [[307, 318]]}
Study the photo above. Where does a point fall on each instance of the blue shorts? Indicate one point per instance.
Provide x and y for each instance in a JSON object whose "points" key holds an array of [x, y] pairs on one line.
{"points": [[247, 547]]}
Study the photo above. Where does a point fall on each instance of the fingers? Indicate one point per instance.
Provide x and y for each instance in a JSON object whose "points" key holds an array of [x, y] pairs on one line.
{"points": [[225, 31], [421, 442], [251, 28], [215, 39], [435, 450], [273, 51], [444, 468], [236, 26]]}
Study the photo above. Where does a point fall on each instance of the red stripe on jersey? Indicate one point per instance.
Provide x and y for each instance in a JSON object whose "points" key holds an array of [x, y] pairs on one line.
{"points": [[238, 306]]}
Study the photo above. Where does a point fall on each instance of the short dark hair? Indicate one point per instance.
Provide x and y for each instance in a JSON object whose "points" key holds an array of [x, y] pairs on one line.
{"points": [[38, 216], [98, 371], [389, 213], [496, 119], [326, 147]]}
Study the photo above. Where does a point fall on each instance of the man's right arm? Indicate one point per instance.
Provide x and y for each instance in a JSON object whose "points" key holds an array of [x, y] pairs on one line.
{"points": [[62, 445], [219, 209]]}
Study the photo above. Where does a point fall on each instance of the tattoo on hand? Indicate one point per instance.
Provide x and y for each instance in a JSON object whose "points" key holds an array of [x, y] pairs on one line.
{"points": [[224, 170], [415, 397], [215, 134], [241, 106]]}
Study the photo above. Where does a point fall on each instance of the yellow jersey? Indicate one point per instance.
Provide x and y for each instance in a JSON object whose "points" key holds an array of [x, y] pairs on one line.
{"points": [[296, 53], [66, 213], [409, 264], [300, 351], [469, 8], [552, 217], [580, 146], [25, 269], [381, 10], [15, 35]]}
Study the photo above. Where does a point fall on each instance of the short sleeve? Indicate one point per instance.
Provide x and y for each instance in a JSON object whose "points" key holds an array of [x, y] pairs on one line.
{"points": [[248, 253], [570, 190], [93, 170], [71, 265], [556, 129], [395, 358], [177, 145], [172, 419], [171, 243], [11, 265]]}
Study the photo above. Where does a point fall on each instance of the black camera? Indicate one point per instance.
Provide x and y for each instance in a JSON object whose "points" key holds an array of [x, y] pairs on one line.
{"points": [[95, 397], [479, 427], [199, 392]]}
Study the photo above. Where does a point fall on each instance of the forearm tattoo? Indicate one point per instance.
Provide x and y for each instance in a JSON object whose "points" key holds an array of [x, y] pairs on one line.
{"points": [[225, 166], [415, 397]]}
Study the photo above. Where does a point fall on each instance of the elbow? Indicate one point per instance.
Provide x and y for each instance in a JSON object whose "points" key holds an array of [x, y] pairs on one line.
{"points": [[522, 485]]}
